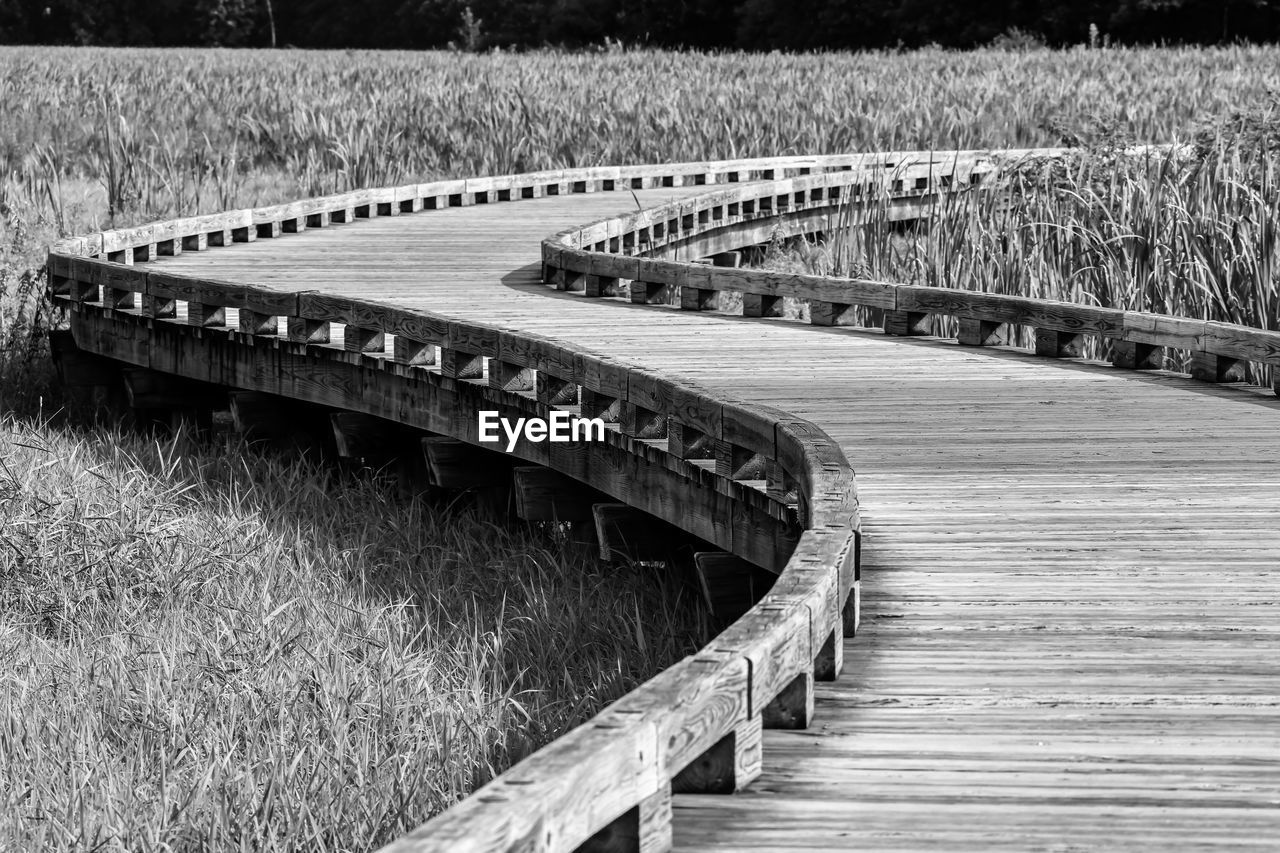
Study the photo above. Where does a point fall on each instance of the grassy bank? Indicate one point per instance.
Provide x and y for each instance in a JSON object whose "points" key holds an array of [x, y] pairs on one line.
{"points": [[224, 651]]}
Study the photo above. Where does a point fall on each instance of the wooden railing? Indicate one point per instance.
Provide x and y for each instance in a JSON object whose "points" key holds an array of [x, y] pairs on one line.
{"points": [[633, 257], [760, 483], [775, 490]]}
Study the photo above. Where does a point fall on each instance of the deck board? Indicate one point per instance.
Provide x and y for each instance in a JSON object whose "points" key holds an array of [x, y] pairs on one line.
{"points": [[1070, 587]]}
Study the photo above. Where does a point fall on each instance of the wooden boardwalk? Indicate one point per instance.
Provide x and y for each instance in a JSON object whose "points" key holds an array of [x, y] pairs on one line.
{"points": [[1070, 590]]}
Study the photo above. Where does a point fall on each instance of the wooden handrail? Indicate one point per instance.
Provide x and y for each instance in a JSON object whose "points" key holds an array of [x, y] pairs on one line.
{"points": [[626, 249], [125, 245], [696, 726]]}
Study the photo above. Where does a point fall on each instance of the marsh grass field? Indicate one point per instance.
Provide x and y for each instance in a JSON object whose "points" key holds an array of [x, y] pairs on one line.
{"points": [[212, 650], [208, 650]]}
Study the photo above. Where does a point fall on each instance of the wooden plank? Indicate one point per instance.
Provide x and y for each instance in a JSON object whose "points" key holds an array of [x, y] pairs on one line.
{"points": [[150, 389], [222, 294], [848, 291], [1015, 310], [543, 494], [419, 326], [361, 436], [1164, 331], [707, 740], [78, 368], [627, 534], [1239, 342], [454, 464]]}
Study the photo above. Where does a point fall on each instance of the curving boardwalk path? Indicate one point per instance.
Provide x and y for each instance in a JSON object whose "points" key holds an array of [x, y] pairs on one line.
{"points": [[1070, 591]]}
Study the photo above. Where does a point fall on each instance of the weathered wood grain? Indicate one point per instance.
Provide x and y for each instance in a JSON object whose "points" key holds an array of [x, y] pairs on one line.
{"points": [[1027, 527], [1239, 342]]}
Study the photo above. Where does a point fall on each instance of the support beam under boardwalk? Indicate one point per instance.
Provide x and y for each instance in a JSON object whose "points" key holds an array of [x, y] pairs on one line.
{"points": [[282, 424], [375, 440], [454, 464], [629, 534], [166, 400], [151, 389], [381, 443], [545, 495], [78, 368]]}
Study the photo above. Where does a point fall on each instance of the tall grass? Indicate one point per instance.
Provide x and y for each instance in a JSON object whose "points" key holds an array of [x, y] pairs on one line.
{"points": [[151, 133], [212, 651], [1189, 234], [98, 138]]}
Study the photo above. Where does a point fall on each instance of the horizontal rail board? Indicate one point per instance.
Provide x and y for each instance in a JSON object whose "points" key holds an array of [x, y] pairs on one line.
{"points": [[728, 219]]}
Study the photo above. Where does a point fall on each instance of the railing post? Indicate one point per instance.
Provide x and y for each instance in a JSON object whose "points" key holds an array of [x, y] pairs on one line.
{"points": [[159, 307], [301, 330], [763, 305], [980, 333], [600, 285], [554, 391], [831, 313], [1208, 367], [646, 828], [738, 463], [730, 766], [255, 323], [906, 323], [793, 707], [1051, 343], [358, 339], [205, 315], [685, 442], [597, 405], [571, 281], [510, 377], [459, 364], [646, 293], [1132, 355], [639, 422]]}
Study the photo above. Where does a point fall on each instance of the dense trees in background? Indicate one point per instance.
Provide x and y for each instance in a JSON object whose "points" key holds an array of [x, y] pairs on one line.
{"points": [[741, 24]]}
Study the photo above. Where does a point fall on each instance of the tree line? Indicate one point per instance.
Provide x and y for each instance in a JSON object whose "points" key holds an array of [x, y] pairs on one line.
{"points": [[703, 24]]}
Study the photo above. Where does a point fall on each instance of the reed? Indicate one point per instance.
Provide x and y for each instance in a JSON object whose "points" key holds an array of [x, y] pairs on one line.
{"points": [[216, 651], [1192, 234]]}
